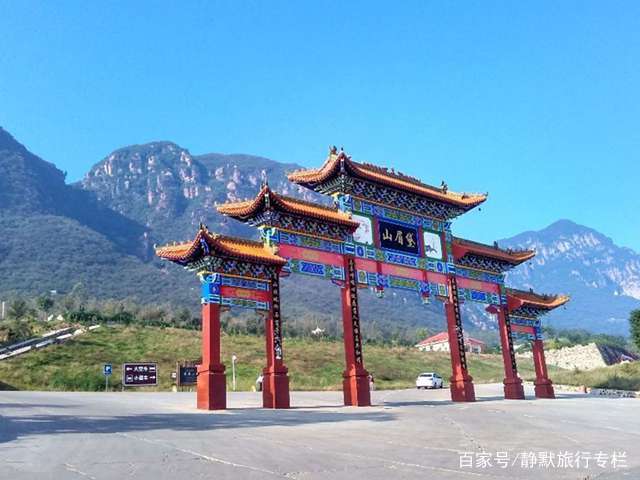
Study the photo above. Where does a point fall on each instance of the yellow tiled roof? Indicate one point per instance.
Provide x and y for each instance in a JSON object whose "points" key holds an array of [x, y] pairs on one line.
{"points": [[461, 247], [249, 208], [382, 175], [547, 302], [220, 245]]}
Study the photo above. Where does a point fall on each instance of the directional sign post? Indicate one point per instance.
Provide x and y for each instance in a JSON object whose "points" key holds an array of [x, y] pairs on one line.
{"points": [[139, 374], [107, 370]]}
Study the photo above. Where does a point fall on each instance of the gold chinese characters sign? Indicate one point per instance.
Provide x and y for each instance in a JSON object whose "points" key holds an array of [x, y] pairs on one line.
{"points": [[397, 237]]}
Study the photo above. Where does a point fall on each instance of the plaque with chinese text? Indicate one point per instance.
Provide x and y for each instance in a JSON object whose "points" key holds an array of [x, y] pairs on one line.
{"points": [[403, 238]]}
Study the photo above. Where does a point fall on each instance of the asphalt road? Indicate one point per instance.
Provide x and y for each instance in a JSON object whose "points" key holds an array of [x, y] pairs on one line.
{"points": [[407, 434]]}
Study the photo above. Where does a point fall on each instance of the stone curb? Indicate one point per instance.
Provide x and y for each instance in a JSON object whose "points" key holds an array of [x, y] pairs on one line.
{"points": [[608, 392], [598, 392]]}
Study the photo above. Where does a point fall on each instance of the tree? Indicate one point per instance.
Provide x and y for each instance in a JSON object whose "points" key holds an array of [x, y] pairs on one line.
{"points": [[18, 330], [79, 294], [421, 334], [634, 324], [18, 309], [45, 304]]}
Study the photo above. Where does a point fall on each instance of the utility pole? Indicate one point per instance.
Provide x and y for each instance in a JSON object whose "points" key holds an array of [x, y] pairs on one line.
{"points": [[233, 370]]}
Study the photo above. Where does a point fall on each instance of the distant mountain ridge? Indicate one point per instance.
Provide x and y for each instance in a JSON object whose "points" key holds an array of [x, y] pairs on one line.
{"points": [[162, 186], [602, 278], [101, 230]]}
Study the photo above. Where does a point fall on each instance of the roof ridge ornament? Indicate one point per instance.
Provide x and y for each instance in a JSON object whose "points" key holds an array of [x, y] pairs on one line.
{"points": [[267, 234], [267, 198]]}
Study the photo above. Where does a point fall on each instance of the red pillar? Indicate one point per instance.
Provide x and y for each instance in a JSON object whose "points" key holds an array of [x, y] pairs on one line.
{"points": [[212, 381], [513, 388], [543, 386], [275, 383], [355, 383], [460, 382]]}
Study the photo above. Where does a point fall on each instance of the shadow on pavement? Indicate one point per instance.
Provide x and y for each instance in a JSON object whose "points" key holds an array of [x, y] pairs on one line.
{"points": [[410, 403], [34, 405], [497, 398], [13, 427]]}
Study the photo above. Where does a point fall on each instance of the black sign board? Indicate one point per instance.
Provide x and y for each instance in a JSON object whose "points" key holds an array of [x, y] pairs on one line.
{"points": [[401, 238], [187, 375], [139, 374]]}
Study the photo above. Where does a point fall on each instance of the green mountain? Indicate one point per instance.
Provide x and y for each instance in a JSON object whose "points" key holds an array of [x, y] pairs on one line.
{"points": [[100, 232], [55, 236], [29, 185]]}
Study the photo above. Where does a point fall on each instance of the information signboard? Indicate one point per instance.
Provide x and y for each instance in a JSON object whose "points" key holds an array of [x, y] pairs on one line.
{"points": [[139, 374], [187, 375]]}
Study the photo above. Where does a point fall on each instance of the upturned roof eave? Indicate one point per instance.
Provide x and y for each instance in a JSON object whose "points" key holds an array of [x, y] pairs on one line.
{"points": [[249, 209], [219, 245], [462, 247], [331, 169]]}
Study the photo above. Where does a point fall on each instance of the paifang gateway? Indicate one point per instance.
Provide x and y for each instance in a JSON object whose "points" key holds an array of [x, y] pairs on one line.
{"points": [[386, 230]]}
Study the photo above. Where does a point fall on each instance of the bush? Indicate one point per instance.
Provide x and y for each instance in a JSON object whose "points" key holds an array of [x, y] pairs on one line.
{"points": [[62, 379]]}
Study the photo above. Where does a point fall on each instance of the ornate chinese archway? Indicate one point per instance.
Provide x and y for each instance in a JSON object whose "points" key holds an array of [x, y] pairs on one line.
{"points": [[385, 230], [242, 274], [525, 309]]}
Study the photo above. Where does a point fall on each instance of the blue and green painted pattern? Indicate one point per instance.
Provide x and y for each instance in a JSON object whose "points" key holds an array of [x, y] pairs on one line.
{"points": [[478, 296], [211, 293], [447, 266], [392, 281], [315, 269], [359, 206]]}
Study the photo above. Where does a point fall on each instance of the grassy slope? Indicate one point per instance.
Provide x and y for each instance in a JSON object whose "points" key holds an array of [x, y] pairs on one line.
{"points": [[623, 377], [313, 365]]}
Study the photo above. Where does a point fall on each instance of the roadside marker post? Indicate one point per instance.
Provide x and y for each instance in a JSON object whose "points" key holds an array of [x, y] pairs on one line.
{"points": [[233, 370], [107, 370]]}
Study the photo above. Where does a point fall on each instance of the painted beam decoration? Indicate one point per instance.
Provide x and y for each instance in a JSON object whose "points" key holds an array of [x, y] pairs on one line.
{"points": [[235, 292]]}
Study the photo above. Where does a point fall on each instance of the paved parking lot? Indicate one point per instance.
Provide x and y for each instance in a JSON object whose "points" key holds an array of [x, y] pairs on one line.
{"points": [[407, 434]]}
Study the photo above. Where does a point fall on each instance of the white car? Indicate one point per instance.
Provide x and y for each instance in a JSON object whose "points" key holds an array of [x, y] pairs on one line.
{"points": [[429, 380]]}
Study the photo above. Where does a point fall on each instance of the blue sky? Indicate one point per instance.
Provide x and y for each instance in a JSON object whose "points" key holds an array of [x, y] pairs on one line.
{"points": [[536, 103]]}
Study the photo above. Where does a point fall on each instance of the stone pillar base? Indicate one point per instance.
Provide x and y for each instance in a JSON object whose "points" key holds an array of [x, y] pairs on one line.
{"points": [[544, 388], [513, 389], [355, 387], [275, 388], [212, 387], [462, 389]]}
